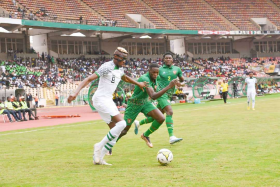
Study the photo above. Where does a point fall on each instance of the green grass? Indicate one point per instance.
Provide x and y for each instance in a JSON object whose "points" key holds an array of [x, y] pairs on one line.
{"points": [[224, 145]]}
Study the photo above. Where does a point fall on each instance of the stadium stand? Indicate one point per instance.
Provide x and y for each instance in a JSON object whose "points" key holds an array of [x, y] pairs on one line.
{"points": [[163, 14], [10, 7], [240, 12], [191, 15], [61, 10], [120, 8]]}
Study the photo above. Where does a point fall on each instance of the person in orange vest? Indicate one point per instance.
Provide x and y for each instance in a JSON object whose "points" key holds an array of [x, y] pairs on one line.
{"points": [[56, 99], [36, 101]]}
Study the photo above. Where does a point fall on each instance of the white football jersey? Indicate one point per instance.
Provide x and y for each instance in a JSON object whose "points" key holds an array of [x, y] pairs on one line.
{"points": [[109, 77], [251, 83]]}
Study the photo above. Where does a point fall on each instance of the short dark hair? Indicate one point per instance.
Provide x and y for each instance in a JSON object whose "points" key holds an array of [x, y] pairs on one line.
{"points": [[168, 53], [251, 72], [153, 65]]}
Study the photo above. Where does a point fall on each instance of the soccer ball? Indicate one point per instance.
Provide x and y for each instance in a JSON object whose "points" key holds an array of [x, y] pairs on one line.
{"points": [[164, 156]]}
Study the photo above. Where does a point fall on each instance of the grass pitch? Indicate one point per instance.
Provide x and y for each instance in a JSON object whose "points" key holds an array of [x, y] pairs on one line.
{"points": [[224, 145]]}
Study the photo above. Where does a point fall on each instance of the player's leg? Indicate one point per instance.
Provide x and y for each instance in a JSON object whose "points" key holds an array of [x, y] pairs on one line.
{"points": [[147, 120], [131, 112], [109, 113], [124, 132], [248, 100], [158, 120], [137, 124], [111, 125], [109, 140], [253, 97], [166, 108], [225, 97]]}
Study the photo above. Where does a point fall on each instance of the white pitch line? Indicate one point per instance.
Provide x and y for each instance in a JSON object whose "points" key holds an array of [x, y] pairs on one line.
{"points": [[56, 127]]}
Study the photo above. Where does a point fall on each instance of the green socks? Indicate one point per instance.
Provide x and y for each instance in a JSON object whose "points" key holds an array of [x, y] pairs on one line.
{"points": [[155, 125], [146, 120], [169, 125]]}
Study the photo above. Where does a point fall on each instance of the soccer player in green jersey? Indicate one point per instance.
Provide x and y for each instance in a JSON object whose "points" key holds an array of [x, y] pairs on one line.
{"points": [[139, 102], [167, 73]]}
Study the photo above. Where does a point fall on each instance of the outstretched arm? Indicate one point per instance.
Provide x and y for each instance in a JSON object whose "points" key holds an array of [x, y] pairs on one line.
{"points": [[181, 79], [141, 85], [154, 95], [81, 86]]}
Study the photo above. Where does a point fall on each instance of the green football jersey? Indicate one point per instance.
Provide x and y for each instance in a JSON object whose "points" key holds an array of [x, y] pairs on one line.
{"points": [[138, 94], [167, 74]]}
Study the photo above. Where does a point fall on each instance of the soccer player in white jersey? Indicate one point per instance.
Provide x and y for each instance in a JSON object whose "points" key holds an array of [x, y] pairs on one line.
{"points": [[109, 74], [252, 87]]}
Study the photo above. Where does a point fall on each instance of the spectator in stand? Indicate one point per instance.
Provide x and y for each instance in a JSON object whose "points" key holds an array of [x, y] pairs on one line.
{"points": [[16, 14], [31, 16]]}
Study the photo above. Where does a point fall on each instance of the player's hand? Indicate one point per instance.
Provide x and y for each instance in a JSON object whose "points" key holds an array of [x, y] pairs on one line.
{"points": [[71, 97], [143, 85], [173, 83], [178, 84]]}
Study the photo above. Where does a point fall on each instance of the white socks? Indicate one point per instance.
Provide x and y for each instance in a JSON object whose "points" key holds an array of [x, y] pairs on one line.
{"points": [[253, 102], [113, 134], [107, 147]]}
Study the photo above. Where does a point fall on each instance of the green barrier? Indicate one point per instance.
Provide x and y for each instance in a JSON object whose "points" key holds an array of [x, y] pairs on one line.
{"points": [[202, 86]]}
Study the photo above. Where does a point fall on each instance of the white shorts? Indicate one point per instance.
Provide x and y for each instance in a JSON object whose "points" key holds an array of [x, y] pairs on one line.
{"points": [[251, 93], [105, 107]]}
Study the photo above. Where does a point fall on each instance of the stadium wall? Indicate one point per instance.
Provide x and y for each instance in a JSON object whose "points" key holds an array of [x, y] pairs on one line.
{"points": [[243, 48], [178, 46], [40, 43]]}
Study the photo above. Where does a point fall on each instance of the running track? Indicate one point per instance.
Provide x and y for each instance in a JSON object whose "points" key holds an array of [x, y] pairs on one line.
{"points": [[84, 111]]}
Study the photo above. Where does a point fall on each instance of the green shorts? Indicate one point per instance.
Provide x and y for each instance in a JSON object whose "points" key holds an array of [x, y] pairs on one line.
{"points": [[132, 110], [163, 101]]}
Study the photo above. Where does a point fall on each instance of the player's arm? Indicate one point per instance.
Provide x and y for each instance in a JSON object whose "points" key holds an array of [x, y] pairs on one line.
{"points": [[154, 95], [181, 78], [245, 82], [81, 86], [141, 85]]}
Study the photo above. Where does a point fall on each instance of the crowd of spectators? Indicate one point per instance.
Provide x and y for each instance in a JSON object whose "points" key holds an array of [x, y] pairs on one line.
{"points": [[111, 23], [34, 73], [227, 67], [46, 72]]}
